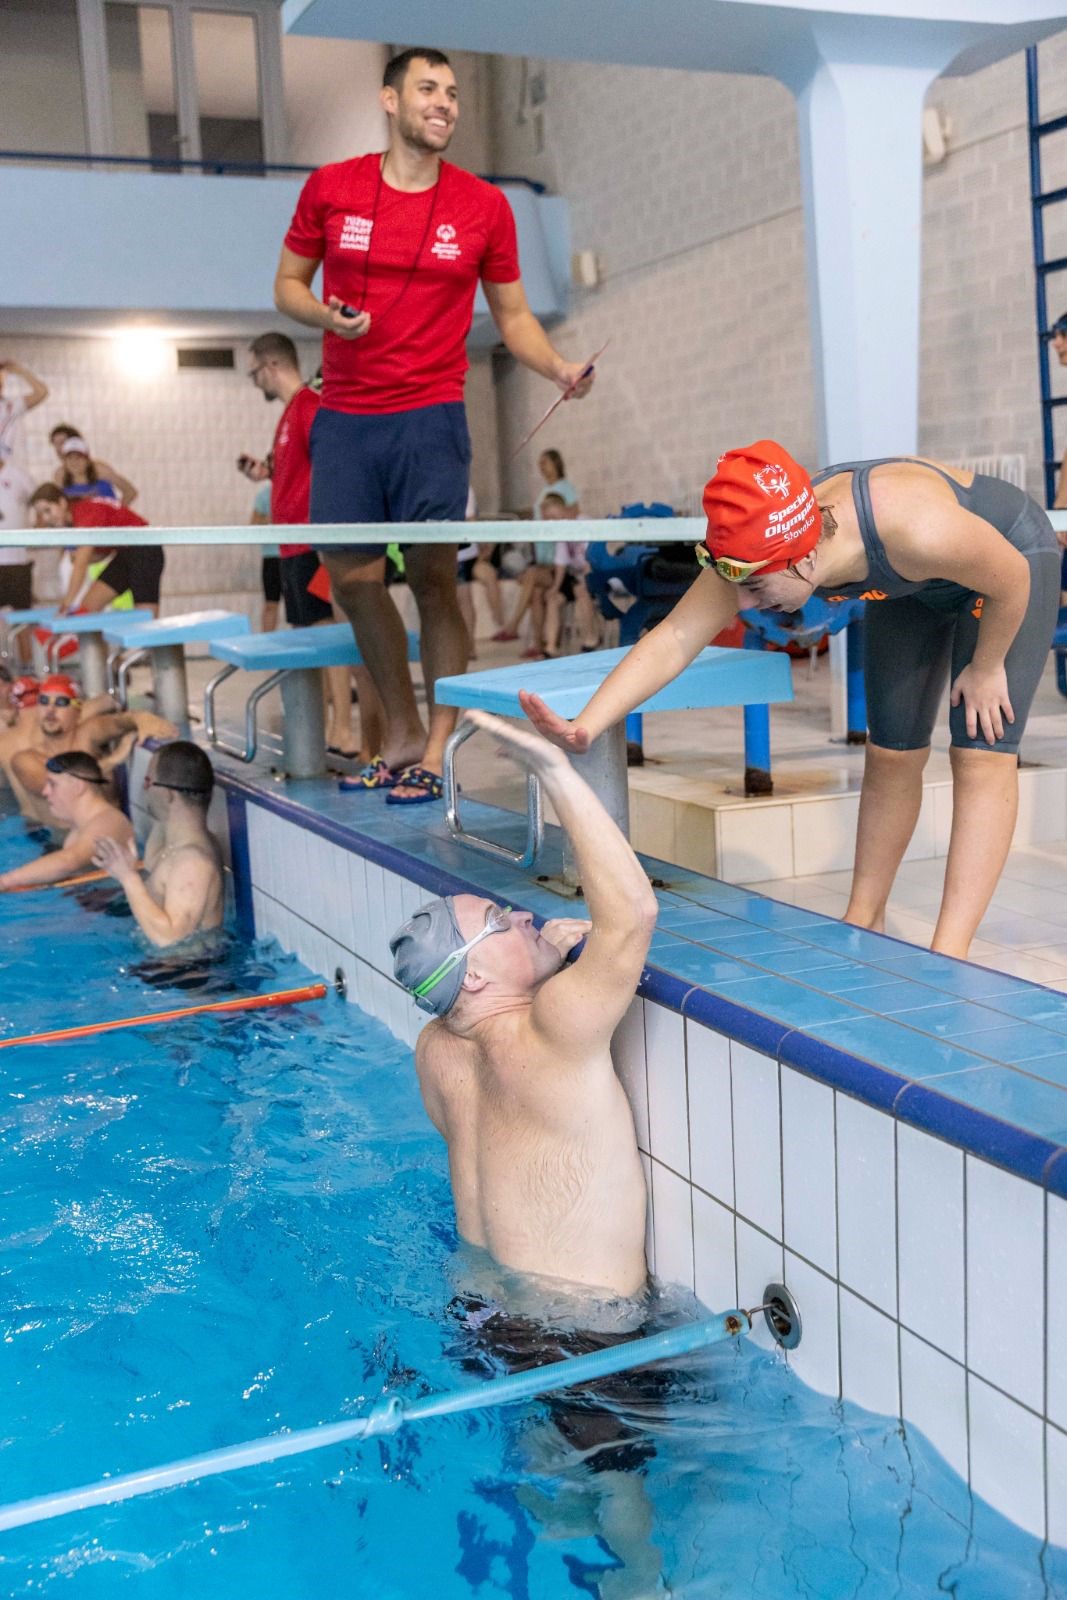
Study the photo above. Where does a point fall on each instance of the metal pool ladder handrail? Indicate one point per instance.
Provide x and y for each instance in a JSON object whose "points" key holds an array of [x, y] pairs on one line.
{"points": [[535, 817]]}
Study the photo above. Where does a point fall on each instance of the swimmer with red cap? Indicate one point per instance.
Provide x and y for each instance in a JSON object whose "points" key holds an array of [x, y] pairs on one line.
{"points": [[960, 573], [17, 696]]}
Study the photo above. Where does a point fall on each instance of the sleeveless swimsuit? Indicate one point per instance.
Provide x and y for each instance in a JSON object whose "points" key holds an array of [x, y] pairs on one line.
{"points": [[919, 636]]}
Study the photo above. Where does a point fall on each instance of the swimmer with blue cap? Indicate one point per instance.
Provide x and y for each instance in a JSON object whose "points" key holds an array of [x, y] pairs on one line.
{"points": [[516, 1070]]}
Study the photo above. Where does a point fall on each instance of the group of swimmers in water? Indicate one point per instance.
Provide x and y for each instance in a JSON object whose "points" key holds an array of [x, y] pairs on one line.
{"points": [[61, 755]]}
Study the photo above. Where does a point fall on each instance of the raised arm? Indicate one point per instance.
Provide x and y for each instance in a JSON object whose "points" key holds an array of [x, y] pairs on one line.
{"points": [[128, 491], [580, 1008], [38, 391], [190, 882], [701, 613]]}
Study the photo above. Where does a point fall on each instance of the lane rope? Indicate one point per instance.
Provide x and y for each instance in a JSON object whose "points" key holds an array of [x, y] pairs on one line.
{"points": [[247, 1002], [385, 1417]]}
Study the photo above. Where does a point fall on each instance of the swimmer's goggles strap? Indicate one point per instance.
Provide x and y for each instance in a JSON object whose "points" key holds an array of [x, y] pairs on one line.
{"points": [[497, 920], [729, 567]]}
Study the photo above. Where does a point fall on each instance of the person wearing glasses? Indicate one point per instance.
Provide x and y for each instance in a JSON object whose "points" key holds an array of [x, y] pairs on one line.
{"points": [[182, 893], [516, 1070], [75, 790], [62, 722], [961, 575]]}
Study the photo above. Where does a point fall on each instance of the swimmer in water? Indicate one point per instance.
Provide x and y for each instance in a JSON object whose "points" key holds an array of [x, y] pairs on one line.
{"points": [[182, 893], [961, 575], [516, 1074], [63, 721], [75, 792]]}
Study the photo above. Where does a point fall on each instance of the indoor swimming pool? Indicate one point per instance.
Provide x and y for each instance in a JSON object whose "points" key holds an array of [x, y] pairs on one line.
{"points": [[228, 1226]]}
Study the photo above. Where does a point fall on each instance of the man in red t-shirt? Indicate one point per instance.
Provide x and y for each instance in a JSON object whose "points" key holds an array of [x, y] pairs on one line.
{"points": [[274, 368], [134, 567], [404, 239]]}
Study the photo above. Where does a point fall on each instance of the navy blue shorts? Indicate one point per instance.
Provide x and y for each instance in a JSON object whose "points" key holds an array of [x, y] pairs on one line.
{"points": [[403, 466]]}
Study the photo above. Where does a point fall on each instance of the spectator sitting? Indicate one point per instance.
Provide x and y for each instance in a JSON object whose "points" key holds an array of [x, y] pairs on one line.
{"points": [[550, 463], [78, 474], [75, 790]]}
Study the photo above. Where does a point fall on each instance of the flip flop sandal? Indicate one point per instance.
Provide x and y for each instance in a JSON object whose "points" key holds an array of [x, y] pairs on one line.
{"points": [[375, 775], [429, 784]]}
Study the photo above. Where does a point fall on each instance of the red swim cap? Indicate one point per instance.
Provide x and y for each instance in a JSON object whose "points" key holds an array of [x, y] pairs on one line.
{"points": [[761, 508], [60, 683], [24, 691]]}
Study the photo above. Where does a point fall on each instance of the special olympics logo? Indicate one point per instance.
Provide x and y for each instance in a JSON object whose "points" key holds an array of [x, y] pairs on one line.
{"points": [[446, 233], [773, 480]]}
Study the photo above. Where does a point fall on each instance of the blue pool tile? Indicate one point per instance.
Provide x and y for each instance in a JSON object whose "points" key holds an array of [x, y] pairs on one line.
{"points": [[1011, 1096], [800, 960], [889, 1044], [854, 976], [1055, 1175], [1053, 1069], [998, 1122], [1034, 1004], [876, 1086], [857, 942], [899, 995], [783, 1000], [753, 945], [1013, 1042], [953, 1019], [728, 1017], [691, 887], [958, 978], [694, 962], [694, 920], [768, 913]]}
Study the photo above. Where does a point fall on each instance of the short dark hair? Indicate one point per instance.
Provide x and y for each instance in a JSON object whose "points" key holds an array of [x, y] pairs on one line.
{"points": [[77, 764], [275, 347], [556, 499], [67, 431], [182, 765], [396, 70], [47, 491], [1060, 325]]}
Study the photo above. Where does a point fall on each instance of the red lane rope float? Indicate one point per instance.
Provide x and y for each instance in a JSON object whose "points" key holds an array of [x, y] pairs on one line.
{"points": [[61, 883], [247, 1002]]}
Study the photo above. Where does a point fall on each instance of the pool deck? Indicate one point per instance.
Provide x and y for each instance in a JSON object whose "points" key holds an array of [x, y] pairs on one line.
{"points": [[971, 1055]]}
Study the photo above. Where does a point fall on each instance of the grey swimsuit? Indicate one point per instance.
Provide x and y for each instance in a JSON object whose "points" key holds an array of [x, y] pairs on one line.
{"points": [[919, 635]]}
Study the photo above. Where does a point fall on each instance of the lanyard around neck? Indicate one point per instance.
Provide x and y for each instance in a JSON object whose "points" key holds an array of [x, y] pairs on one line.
{"points": [[405, 286]]}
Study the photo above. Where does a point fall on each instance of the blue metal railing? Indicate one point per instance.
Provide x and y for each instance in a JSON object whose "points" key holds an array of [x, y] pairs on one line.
{"points": [[205, 166], [1043, 269]]}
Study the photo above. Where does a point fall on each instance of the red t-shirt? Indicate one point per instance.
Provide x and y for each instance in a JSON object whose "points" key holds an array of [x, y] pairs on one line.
{"points": [[90, 513], [369, 236], [290, 485]]}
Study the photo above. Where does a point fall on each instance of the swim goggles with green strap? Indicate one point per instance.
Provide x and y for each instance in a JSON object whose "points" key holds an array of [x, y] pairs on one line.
{"points": [[497, 920]]}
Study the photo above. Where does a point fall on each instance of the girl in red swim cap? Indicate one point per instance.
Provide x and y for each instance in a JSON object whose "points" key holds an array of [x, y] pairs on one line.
{"points": [[961, 575]]}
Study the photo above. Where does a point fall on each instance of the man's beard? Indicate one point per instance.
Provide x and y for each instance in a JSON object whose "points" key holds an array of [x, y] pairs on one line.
{"points": [[411, 132]]}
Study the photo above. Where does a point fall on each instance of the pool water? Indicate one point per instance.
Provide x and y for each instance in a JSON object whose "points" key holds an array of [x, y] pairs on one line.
{"points": [[225, 1226]]}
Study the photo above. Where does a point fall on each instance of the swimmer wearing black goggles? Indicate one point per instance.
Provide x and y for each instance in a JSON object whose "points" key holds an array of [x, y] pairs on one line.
{"points": [[68, 763], [58, 700]]}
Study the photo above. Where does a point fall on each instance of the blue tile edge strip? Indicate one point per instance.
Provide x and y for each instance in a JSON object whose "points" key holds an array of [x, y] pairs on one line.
{"points": [[1027, 1155]]}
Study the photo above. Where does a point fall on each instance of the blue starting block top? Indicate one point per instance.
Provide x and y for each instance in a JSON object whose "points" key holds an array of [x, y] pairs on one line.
{"points": [[92, 621], [190, 627], [291, 648], [19, 619], [715, 678]]}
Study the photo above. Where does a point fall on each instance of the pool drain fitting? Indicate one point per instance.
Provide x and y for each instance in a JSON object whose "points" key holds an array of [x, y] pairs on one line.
{"points": [[340, 982], [781, 1316]]}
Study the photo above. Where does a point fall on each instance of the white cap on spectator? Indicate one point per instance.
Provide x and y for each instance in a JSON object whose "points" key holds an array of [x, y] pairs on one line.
{"points": [[75, 445]]}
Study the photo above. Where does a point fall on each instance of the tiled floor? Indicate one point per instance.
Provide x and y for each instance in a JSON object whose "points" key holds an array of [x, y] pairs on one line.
{"points": [[1025, 931]]}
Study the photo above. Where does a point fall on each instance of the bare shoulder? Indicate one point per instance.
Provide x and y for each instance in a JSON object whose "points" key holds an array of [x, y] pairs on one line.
{"points": [[109, 824]]}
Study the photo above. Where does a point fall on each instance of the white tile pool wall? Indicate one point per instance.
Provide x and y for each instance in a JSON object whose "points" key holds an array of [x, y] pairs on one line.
{"points": [[926, 1278]]}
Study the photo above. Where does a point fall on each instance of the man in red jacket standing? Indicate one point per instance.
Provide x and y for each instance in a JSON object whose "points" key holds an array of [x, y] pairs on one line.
{"points": [[137, 568], [404, 238]]}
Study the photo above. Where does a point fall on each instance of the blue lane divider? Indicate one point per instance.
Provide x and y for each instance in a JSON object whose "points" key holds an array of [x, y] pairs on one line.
{"points": [[385, 1417]]}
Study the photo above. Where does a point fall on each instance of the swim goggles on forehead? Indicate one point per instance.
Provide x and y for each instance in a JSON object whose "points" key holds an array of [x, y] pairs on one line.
{"points": [[729, 567], [497, 920], [57, 765]]}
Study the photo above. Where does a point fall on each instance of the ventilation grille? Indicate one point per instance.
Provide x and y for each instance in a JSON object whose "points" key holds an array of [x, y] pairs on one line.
{"points": [[202, 357]]}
